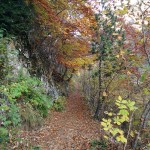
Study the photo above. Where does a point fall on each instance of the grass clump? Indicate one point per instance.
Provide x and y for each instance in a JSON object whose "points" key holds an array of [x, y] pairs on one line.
{"points": [[59, 104], [98, 145]]}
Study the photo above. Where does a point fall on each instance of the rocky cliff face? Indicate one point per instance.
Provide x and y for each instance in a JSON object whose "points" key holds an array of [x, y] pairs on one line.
{"points": [[18, 64], [36, 46]]}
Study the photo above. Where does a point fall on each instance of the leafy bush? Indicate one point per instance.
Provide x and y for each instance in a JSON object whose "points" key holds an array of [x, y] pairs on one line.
{"points": [[112, 126], [34, 93], [59, 104], [3, 56], [30, 117], [3, 134], [23, 100]]}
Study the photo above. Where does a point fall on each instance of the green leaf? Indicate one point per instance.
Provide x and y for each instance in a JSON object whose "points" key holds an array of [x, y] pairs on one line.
{"points": [[124, 118], [104, 120], [4, 107], [124, 102], [117, 120], [114, 131], [143, 77], [118, 104], [131, 103], [6, 123], [146, 91], [121, 138], [123, 112], [3, 131], [121, 106]]}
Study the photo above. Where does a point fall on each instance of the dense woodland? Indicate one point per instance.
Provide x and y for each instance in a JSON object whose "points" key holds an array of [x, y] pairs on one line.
{"points": [[56, 55]]}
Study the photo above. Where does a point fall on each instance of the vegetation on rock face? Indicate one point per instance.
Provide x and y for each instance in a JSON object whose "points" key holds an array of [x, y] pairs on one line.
{"points": [[52, 26], [23, 101]]}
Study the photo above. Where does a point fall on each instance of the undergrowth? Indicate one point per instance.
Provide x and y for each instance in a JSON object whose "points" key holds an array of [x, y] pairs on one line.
{"points": [[59, 104], [98, 145], [23, 101]]}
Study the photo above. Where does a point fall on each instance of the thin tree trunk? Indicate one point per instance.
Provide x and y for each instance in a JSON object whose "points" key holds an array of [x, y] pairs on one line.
{"points": [[99, 102], [146, 112], [130, 126]]}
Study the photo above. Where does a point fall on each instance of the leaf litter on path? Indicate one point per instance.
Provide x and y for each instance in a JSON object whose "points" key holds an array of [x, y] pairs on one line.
{"points": [[72, 129]]}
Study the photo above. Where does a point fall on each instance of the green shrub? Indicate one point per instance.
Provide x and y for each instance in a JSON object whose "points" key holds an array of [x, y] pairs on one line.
{"points": [[22, 101], [35, 148], [27, 90], [98, 145], [59, 104], [35, 95], [3, 134], [30, 117]]}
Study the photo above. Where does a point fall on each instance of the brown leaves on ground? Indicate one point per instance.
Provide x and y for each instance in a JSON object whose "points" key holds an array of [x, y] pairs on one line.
{"points": [[72, 129]]}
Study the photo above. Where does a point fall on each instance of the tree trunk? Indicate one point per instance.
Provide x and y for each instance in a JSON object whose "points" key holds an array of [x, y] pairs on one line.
{"points": [[144, 117], [99, 102]]}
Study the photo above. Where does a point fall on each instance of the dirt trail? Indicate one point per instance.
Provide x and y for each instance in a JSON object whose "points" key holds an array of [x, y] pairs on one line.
{"points": [[72, 129]]}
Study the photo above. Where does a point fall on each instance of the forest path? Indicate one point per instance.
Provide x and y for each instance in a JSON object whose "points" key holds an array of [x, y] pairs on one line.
{"points": [[72, 129]]}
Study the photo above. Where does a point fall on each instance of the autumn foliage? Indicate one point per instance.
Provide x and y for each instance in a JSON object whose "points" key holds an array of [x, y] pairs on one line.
{"points": [[66, 25]]}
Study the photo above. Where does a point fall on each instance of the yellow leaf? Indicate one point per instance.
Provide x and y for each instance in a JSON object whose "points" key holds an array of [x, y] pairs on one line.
{"points": [[147, 18], [128, 73], [106, 137], [121, 52], [120, 98], [103, 124], [132, 134], [104, 12], [117, 56], [115, 34], [110, 114], [120, 131], [118, 138], [119, 37], [122, 12], [104, 94], [109, 23], [106, 129], [121, 138]]}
